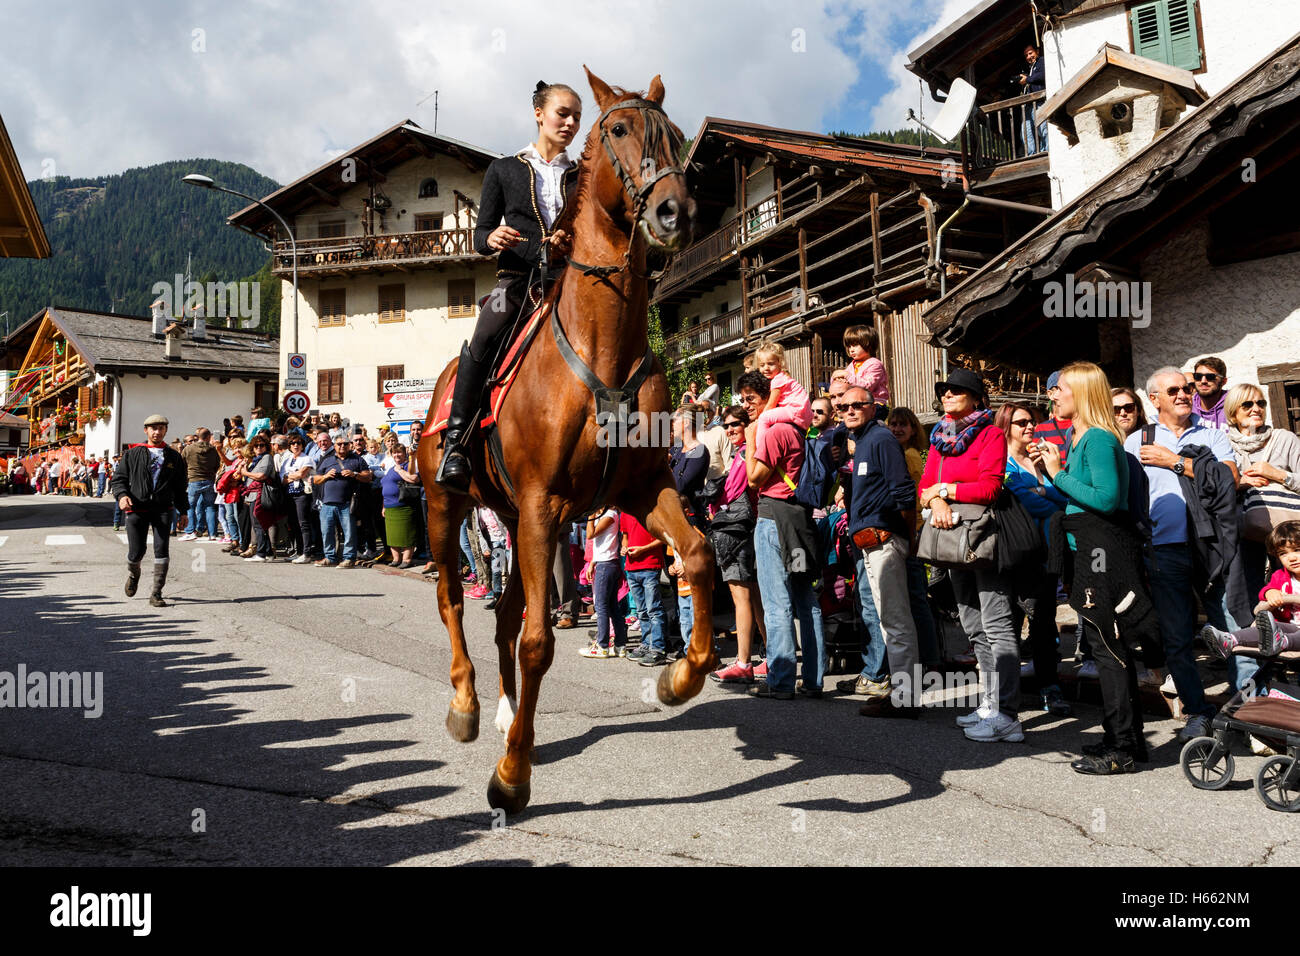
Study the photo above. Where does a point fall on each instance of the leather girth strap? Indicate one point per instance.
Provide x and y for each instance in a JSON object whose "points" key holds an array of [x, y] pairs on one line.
{"points": [[612, 404]]}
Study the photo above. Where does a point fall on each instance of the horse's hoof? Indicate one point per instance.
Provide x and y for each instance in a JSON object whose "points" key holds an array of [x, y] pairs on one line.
{"points": [[668, 679], [462, 725], [502, 796]]}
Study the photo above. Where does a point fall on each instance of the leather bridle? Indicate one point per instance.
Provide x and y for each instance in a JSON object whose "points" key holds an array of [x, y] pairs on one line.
{"points": [[658, 133]]}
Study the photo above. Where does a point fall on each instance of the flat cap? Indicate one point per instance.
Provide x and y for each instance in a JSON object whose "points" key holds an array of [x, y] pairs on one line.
{"points": [[156, 420]]}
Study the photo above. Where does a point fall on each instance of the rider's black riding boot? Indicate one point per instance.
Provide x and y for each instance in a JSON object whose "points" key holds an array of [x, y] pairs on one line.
{"points": [[471, 375]]}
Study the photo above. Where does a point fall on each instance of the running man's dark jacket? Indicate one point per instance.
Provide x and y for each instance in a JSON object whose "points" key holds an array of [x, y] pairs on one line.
{"points": [[132, 479]]}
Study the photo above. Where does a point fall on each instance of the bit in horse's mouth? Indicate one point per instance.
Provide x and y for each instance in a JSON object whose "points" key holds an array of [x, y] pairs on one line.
{"points": [[675, 243]]}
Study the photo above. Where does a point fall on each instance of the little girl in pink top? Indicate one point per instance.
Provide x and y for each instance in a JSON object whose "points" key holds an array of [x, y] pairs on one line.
{"points": [[864, 369], [788, 400]]}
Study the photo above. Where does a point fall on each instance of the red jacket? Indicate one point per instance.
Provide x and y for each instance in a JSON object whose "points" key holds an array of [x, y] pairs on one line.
{"points": [[979, 471], [1280, 581]]}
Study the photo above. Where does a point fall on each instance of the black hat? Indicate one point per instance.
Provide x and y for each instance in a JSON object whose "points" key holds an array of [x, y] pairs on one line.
{"points": [[964, 379]]}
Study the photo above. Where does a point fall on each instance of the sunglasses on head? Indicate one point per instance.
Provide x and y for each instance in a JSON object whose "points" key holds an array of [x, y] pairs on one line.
{"points": [[1173, 390], [1205, 376], [855, 406], [1128, 408], [1248, 404]]}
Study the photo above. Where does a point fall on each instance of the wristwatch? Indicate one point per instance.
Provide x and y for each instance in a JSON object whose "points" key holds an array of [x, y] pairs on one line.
{"points": [[1179, 467], [943, 491]]}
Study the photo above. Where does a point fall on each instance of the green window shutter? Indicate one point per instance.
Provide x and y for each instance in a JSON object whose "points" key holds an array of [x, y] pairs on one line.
{"points": [[1184, 51], [1149, 39]]}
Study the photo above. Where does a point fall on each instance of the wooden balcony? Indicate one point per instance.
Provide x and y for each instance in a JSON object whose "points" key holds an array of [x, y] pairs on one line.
{"points": [[366, 253], [995, 133], [701, 257], [710, 334]]}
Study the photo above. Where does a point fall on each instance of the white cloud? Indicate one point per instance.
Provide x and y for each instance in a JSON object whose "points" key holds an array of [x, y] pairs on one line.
{"points": [[284, 85]]}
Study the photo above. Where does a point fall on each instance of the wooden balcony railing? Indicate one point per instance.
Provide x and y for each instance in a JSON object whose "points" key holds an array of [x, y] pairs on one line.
{"points": [[325, 254], [1003, 132], [701, 256], [718, 330]]}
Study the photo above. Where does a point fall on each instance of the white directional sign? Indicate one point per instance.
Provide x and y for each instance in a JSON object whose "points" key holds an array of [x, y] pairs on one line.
{"points": [[296, 375], [409, 384], [407, 414]]}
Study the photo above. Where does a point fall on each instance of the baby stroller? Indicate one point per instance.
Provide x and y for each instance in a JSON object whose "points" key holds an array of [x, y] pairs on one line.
{"points": [[1208, 762]]}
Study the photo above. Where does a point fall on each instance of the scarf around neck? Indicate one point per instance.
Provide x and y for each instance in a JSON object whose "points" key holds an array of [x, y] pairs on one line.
{"points": [[953, 436], [1249, 444]]}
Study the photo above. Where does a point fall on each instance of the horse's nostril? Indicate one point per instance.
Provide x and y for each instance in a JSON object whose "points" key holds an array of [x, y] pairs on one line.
{"points": [[667, 212]]}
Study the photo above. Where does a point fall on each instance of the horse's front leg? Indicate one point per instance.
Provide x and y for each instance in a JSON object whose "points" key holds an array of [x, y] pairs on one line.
{"points": [[659, 508], [509, 788], [445, 513]]}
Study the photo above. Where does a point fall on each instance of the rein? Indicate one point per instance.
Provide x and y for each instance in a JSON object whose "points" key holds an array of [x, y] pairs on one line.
{"points": [[658, 133]]}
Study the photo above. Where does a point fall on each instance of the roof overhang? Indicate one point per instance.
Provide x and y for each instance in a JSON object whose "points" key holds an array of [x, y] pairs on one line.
{"points": [[394, 146], [1192, 169], [21, 233]]}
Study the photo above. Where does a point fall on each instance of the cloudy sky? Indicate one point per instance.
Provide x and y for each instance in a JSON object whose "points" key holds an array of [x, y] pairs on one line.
{"points": [[90, 88]]}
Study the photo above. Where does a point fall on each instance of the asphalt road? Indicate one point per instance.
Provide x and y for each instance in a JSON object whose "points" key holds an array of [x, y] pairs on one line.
{"points": [[283, 714]]}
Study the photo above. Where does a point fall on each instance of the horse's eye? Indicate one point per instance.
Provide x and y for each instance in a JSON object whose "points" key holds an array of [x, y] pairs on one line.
{"points": [[619, 129]]}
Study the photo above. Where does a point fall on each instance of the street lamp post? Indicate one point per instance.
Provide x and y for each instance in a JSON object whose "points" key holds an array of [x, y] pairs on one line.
{"points": [[195, 179]]}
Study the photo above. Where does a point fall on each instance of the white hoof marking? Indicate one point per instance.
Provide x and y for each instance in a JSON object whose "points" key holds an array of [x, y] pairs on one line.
{"points": [[505, 713]]}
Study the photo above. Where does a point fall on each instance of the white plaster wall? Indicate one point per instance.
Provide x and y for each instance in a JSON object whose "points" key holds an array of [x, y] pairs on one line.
{"points": [[705, 306], [1246, 313], [187, 402], [1234, 39]]}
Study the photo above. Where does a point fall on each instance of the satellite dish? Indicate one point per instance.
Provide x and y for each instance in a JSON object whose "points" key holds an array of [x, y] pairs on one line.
{"points": [[956, 110]]}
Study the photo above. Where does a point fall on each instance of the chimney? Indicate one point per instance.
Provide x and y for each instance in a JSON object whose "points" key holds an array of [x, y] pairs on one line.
{"points": [[172, 346], [159, 309], [200, 330]]}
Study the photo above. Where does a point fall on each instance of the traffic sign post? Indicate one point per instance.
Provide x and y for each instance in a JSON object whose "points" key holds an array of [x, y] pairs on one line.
{"points": [[296, 375], [295, 403]]}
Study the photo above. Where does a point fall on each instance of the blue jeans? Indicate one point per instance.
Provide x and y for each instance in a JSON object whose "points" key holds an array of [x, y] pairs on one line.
{"points": [[1173, 593], [1035, 137], [331, 517], [643, 586], [874, 666], [203, 503], [685, 617], [607, 576], [786, 598], [465, 546], [232, 523], [499, 569], [103, 480], [118, 516]]}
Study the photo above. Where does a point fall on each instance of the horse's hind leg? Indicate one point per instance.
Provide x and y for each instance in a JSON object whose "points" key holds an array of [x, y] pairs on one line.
{"points": [[509, 611], [659, 508], [509, 788], [445, 513]]}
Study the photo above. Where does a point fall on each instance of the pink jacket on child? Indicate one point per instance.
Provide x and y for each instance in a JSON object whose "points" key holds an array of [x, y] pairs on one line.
{"points": [[1281, 581], [793, 405], [870, 374]]}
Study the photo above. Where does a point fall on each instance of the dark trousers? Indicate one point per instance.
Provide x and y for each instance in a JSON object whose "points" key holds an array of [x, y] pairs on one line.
{"points": [[308, 525], [1038, 603], [138, 524], [497, 315], [564, 586], [377, 516], [605, 595], [1117, 673], [245, 521]]}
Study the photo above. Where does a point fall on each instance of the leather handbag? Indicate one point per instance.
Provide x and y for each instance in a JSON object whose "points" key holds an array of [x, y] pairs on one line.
{"points": [[408, 493], [869, 538], [1266, 508], [971, 544]]}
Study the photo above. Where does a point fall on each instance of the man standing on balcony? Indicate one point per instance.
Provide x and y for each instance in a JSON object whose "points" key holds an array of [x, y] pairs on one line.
{"points": [[1032, 81]]}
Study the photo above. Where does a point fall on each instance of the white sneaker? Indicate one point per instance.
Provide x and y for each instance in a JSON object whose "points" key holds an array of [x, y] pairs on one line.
{"points": [[302, 559], [1168, 688], [978, 715], [1087, 671], [256, 557], [997, 727], [1027, 669], [188, 536]]}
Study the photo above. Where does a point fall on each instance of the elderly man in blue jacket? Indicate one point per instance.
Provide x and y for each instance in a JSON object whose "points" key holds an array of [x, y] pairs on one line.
{"points": [[882, 504]]}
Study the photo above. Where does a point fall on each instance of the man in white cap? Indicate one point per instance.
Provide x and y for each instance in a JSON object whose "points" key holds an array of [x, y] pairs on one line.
{"points": [[149, 485]]}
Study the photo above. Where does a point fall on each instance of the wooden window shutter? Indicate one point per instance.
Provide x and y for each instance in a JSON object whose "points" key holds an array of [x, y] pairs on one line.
{"points": [[386, 372], [84, 395], [392, 303], [1184, 50], [1148, 39], [329, 386], [460, 298], [332, 310]]}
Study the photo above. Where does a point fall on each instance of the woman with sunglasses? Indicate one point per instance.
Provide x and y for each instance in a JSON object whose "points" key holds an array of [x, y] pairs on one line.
{"points": [[1036, 588], [732, 536], [1130, 415]]}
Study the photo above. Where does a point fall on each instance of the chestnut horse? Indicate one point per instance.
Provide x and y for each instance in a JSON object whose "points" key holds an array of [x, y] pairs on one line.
{"points": [[631, 192]]}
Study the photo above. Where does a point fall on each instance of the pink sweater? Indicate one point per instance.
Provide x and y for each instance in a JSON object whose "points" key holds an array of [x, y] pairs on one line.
{"points": [[792, 406], [870, 374], [1281, 581], [979, 471]]}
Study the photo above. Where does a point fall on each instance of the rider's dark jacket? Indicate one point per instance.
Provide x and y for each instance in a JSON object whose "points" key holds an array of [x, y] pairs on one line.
{"points": [[510, 193]]}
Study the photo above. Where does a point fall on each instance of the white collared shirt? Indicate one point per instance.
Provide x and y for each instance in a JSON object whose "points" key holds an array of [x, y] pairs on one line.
{"points": [[549, 181]]}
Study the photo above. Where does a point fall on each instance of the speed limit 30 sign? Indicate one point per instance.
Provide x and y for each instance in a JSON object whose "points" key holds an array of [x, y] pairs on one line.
{"points": [[295, 403]]}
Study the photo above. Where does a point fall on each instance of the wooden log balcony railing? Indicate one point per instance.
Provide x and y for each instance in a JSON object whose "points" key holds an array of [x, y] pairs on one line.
{"points": [[328, 254], [702, 256], [719, 330], [1003, 132]]}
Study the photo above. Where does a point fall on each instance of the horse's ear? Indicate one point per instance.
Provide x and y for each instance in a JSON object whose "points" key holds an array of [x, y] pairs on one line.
{"points": [[656, 94], [604, 95]]}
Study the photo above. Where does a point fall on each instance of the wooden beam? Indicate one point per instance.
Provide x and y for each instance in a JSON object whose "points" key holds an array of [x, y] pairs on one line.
{"points": [[324, 196], [14, 232], [803, 267], [875, 232]]}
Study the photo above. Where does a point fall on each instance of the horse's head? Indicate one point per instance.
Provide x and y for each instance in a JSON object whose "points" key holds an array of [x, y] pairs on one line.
{"points": [[642, 178]]}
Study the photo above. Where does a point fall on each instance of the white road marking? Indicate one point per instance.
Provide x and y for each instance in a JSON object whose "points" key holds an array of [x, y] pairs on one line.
{"points": [[60, 539], [122, 538], [3, 539]]}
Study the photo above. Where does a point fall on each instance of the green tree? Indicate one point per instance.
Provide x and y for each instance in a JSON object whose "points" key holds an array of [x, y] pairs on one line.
{"points": [[690, 368]]}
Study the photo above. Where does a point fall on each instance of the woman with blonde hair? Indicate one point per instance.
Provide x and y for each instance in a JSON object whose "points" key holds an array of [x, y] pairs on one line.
{"points": [[1106, 582]]}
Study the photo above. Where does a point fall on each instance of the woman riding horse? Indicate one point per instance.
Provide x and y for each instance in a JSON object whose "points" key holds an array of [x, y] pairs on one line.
{"points": [[527, 191]]}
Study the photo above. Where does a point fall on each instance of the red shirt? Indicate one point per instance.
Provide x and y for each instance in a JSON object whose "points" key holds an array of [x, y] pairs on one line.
{"points": [[780, 447], [638, 536], [1055, 430], [979, 471]]}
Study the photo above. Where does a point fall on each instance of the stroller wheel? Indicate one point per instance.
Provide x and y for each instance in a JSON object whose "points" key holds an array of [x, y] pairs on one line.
{"points": [[1274, 789], [1207, 763]]}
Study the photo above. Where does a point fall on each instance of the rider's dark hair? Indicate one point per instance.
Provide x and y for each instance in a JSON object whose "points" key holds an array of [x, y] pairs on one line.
{"points": [[544, 91]]}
